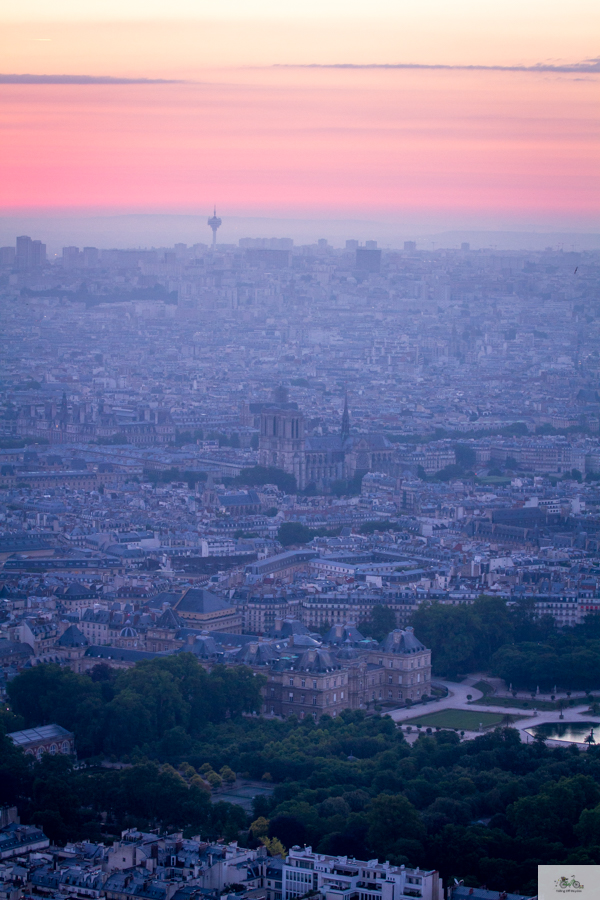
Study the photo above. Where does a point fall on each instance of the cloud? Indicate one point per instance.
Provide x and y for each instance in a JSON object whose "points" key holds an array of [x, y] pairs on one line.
{"points": [[80, 79], [588, 67]]}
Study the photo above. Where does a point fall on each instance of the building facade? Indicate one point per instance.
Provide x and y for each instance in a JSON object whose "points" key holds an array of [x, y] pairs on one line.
{"points": [[344, 878], [319, 459]]}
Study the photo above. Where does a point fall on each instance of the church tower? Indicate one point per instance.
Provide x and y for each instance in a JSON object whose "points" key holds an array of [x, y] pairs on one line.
{"points": [[282, 442], [345, 419]]}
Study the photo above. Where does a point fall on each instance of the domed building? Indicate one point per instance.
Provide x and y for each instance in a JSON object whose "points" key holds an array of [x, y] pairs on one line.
{"points": [[128, 637]]}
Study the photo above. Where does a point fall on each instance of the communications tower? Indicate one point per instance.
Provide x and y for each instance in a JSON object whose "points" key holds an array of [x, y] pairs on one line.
{"points": [[214, 223]]}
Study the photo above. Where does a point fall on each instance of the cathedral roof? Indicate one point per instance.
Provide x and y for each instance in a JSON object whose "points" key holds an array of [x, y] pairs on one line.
{"points": [[322, 443]]}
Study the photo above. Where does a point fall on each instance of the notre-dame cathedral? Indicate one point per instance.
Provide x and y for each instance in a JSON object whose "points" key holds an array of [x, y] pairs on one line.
{"points": [[319, 459]]}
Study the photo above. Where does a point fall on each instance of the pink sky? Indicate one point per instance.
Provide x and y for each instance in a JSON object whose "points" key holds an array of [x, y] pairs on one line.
{"points": [[521, 146]]}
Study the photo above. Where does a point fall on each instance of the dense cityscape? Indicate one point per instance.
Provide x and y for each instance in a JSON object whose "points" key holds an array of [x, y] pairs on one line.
{"points": [[334, 489]]}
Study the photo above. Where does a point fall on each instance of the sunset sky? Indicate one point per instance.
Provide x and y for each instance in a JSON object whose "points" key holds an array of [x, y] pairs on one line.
{"points": [[490, 116]]}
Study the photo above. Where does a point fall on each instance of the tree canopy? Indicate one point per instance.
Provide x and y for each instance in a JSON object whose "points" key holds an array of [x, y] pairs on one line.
{"points": [[157, 701], [512, 642], [487, 810]]}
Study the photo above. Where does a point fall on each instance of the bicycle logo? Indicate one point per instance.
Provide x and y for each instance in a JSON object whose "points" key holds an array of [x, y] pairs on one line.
{"points": [[568, 885]]}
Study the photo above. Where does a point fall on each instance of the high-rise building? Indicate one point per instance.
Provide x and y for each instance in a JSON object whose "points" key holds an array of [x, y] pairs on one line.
{"points": [[7, 256], [38, 254], [352, 245], [91, 257], [70, 257], [29, 254], [214, 222], [23, 252], [368, 259], [410, 245]]}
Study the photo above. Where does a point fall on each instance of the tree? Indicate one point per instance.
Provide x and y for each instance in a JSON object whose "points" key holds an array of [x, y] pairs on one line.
{"points": [[260, 827], [293, 533], [381, 622], [588, 827], [465, 456], [394, 825], [214, 780], [259, 475], [289, 829], [274, 846], [452, 634], [449, 473]]}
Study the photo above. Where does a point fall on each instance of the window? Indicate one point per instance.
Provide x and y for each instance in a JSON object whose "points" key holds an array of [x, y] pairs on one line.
{"points": [[291, 682], [291, 697], [303, 698], [314, 701], [303, 682], [314, 685]]}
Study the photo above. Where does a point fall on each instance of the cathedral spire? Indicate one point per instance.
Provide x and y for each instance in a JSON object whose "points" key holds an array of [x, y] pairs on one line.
{"points": [[345, 419]]}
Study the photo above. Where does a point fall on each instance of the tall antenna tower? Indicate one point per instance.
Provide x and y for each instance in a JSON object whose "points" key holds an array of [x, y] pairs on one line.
{"points": [[214, 223]]}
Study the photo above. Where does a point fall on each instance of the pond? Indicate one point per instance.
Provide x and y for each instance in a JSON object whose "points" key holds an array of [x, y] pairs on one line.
{"points": [[569, 732]]}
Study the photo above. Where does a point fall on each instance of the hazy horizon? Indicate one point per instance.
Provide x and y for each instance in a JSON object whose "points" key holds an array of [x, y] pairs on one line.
{"points": [[165, 230]]}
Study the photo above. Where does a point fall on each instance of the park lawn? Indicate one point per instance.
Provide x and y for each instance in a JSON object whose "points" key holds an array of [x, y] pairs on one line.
{"points": [[463, 719], [515, 703]]}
